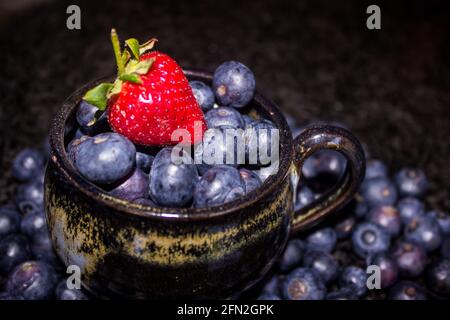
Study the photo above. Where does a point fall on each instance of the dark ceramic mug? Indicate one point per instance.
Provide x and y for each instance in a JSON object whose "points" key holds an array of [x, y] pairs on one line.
{"points": [[132, 251]]}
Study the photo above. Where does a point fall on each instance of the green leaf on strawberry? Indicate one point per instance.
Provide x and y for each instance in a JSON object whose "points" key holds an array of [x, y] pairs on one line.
{"points": [[97, 96], [133, 44]]}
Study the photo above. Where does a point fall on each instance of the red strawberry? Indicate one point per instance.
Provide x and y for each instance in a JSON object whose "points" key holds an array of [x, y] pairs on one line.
{"points": [[151, 99]]}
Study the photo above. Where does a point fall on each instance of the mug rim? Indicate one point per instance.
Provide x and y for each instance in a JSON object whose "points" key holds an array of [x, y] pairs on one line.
{"points": [[60, 158]]}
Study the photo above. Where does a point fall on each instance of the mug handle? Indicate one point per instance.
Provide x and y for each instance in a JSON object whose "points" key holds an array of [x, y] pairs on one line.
{"points": [[325, 137]]}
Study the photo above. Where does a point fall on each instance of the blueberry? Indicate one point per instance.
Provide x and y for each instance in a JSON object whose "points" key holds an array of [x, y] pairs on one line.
{"points": [[272, 286], [145, 202], [86, 118], [218, 185], [248, 121], [443, 219], [361, 207], [144, 161], [386, 217], [9, 221], [354, 278], [4, 296], [72, 147], [424, 231], [438, 277], [172, 182], [30, 197], [410, 258], [32, 280], [64, 293], [376, 169], [203, 94], [42, 248], [292, 255], [264, 173], [304, 197], [33, 223], [303, 284], [389, 271], [410, 208], [260, 142], [379, 191], [345, 227], [250, 179], [27, 164], [369, 239], [233, 84], [134, 187], [323, 263], [407, 290], [445, 248], [224, 117], [324, 162], [268, 297], [14, 249], [105, 158], [411, 182], [323, 239], [342, 294]]}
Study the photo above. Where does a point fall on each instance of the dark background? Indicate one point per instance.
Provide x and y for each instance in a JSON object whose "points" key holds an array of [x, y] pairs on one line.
{"points": [[315, 59]]}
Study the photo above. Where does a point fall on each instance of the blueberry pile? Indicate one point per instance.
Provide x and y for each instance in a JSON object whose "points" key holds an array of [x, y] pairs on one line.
{"points": [[149, 176], [387, 225], [29, 268]]}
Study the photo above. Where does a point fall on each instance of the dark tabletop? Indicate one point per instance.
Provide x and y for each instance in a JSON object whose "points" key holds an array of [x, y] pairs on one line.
{"points": [[315, 59]]}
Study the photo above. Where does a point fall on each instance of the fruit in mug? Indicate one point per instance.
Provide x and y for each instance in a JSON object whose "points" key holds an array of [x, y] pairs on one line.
{"points": [[134, 187], [203, 94], [407, 290], [303, 284], [224, 117], [105, 158], [411, 182], [250, 179], [323, 240], [369, 239], [261, 140], [144, 161], [233, 84]]}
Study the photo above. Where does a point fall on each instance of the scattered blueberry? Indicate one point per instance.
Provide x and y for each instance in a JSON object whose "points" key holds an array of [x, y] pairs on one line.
{"points": [[303, 284], [438, 277], [323, 240], [386, 217], [233, 84], [369, 239], [445, 248], [32, 280], [203, 94], [354, 278], [375, 169], [172, 182], [345, 227], [251, 180], [292, 255], [105, 158], [42, 248], [144, 161], [14, 249], [30, 197], [424, 231], [218, 185], [443, 219], [32, 223], [361, 207], [272, 286], [323, 263], [410, 258], [9, 221], [134, 187], [27, 164], [224, 117], [411, 182], [304, 197], [388, 269], [379, 191], [407, 290], [64, 293], [410, 208]]}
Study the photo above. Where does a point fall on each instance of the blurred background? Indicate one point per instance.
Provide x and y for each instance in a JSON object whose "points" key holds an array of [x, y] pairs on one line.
{"points": [[315, 59]]}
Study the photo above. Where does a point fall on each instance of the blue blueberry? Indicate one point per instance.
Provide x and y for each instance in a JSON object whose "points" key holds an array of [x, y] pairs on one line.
{"points": [[386, 217], [264, 173], [369, 239], [145, 202], [268, 297], [379, 191], [411, 182], [342, 294], [303, 284], [224, 117], [144, 161], [88, 121], [407, 290], [42, 248], [361, 207], [134, 187], [203, 94], [376, 169], [9, 221], [323, 240], [32, 280], [438, 277], [62, 292], [14, 249], [445, 248], [251, 180], [304, 197], [218, 185], [292, 255], [248, 121], [389, 271], [323, 263], [424, 231], [443, 219], [272, 286], [30, 197], [410, 258], [172, 182], [72, 147], [260, 138], [33, 223], [354, 278], [324, 162], [105, 158], [27, 164], [345, 227], [233, 84], [410, 208]]}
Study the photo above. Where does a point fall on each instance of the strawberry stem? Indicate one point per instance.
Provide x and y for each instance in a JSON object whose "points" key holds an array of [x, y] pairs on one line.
{"points": [[117, 52]]}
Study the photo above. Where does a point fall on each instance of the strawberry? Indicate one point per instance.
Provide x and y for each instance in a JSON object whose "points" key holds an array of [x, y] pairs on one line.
{"points": [[150, 99]]}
